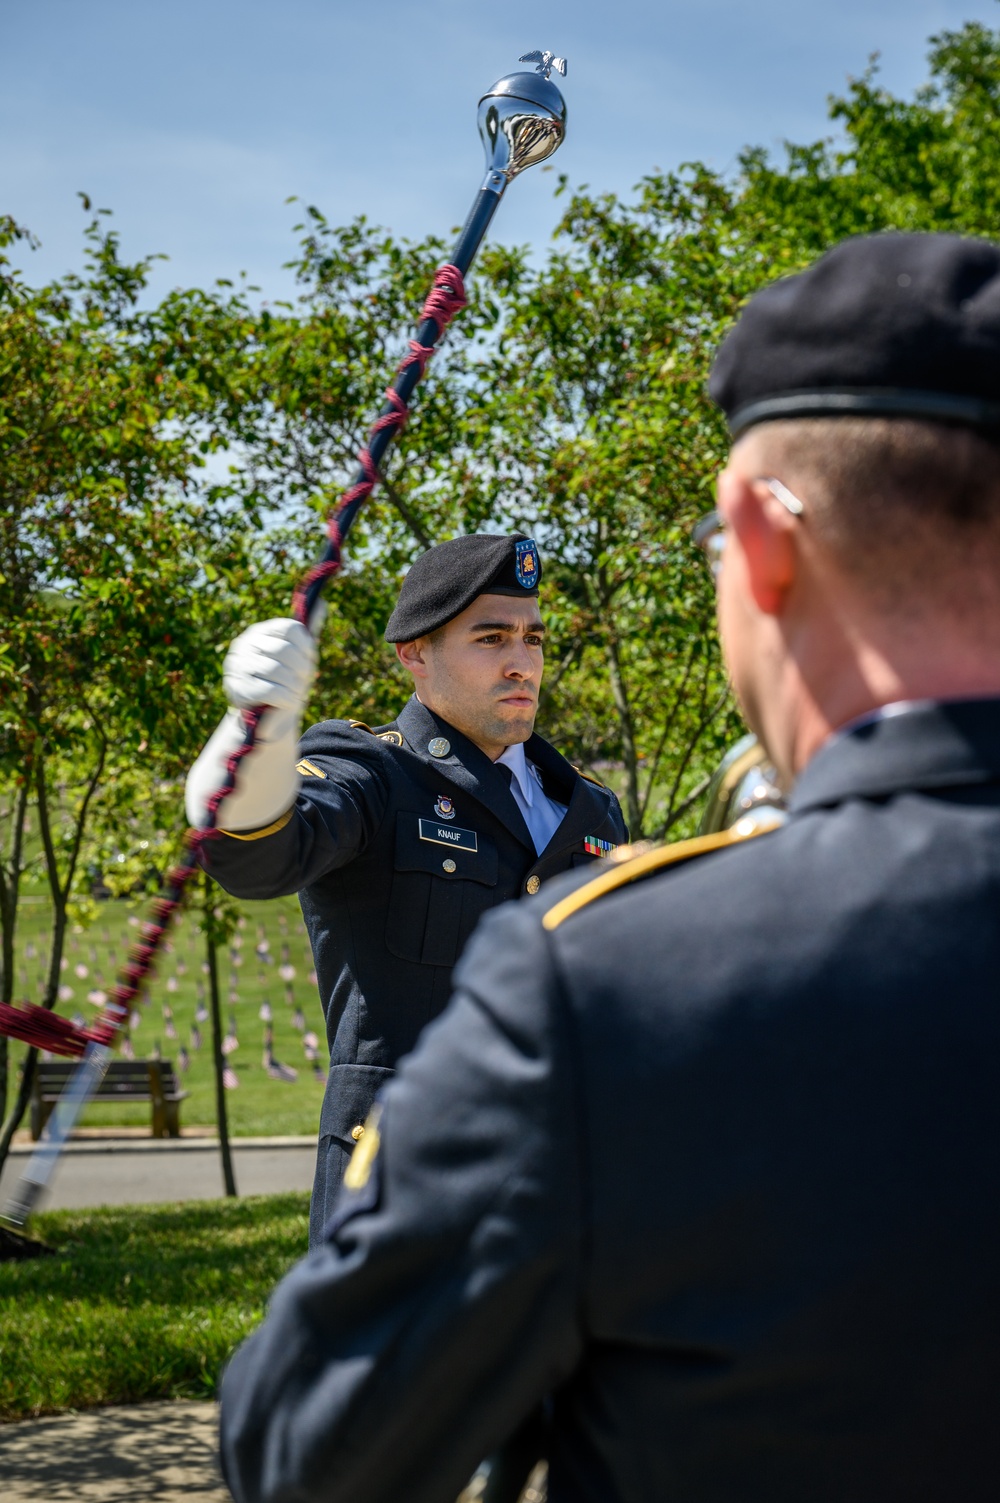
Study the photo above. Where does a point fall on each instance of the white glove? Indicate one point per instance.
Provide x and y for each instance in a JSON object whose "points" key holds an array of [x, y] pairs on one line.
{"points": [[272, 663]]}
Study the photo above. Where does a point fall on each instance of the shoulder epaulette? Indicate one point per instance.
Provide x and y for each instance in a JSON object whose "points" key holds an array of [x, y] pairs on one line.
{"points": [[394, 738], [632, 864], [588, 775]]}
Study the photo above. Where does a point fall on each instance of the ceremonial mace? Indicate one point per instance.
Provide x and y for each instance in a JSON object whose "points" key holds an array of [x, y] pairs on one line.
{"points": [[522, 121]]}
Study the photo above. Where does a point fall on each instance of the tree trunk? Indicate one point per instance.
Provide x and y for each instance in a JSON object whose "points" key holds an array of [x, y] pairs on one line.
{"points": [[10, 884], [218, 1058], [20, 1105], [60, 889], [633, 804]]}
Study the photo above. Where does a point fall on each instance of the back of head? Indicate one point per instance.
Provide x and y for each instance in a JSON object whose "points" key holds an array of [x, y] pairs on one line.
{"points": [[908, 510], [870, 384]]}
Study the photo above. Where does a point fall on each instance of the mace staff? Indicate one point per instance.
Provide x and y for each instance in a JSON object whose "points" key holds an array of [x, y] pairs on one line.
{"points": [[522, 121]]}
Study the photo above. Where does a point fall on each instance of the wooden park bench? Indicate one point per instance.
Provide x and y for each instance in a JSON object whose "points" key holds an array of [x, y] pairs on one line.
{"points": [[127, 1080]]}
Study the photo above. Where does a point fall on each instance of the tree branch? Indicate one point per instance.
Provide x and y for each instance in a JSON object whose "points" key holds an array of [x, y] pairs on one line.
{"points": [[705, 721], [409, 517], [81, 820], [667, 727]]}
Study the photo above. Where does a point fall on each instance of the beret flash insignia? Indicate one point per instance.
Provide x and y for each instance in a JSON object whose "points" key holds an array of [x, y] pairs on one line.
{"points": [[526, 563]]}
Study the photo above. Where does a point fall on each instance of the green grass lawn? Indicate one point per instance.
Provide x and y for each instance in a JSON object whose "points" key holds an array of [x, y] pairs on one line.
{"points": [[143, 1302], [268, 966]]}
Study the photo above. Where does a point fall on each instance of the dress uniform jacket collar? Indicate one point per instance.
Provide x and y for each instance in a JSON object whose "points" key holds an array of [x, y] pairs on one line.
{"points": [[473, 771], [927, 744]]}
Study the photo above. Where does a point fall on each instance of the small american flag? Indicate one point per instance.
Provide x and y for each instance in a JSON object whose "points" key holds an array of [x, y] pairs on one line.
{"points": [[277, 1071], [231, 1042]]}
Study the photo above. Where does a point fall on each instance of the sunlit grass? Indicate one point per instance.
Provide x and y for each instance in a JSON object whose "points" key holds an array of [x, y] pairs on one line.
{"points": [[142, 1302]]}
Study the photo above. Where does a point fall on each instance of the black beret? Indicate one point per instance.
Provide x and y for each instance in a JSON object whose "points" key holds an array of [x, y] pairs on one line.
{"points": [[887, 325], [445, 579]]}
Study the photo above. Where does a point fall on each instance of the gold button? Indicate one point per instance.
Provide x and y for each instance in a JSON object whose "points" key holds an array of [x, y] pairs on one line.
{"points": [[357, 1132], [532, 885], [449, 865]]}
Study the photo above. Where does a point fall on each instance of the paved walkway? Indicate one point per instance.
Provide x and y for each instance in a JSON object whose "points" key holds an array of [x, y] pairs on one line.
{"points": [[145, 1453], [141, 1171]]}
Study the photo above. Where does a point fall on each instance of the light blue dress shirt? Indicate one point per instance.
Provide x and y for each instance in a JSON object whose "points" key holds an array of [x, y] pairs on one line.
{"points": [[542, 815]]}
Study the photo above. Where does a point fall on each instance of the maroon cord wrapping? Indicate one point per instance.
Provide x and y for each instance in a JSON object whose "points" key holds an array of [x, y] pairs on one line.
{"points": [[445, 299], [44, 1029]]}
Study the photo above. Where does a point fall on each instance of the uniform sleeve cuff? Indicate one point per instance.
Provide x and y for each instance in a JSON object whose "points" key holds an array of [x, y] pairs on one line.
{"points": [[272, 829]]}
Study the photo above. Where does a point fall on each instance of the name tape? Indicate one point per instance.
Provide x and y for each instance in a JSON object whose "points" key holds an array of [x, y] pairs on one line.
{"points": [[462, 840]]}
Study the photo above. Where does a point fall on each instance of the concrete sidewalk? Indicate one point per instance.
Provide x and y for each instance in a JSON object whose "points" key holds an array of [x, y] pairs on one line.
{"points": [[142, 1171], [143, 1453], [140, 1453]]}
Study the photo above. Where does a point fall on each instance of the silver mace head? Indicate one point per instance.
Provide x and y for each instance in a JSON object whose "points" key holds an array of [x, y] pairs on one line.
{"points": [[522, 119]]}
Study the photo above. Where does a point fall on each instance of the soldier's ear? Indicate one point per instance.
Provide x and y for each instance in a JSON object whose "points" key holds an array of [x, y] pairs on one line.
{"points": [[762, 540], [413, 656]]}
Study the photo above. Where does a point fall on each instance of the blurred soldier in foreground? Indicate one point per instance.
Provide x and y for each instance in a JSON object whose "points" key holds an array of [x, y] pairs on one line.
{"points": [[707, 1150]]}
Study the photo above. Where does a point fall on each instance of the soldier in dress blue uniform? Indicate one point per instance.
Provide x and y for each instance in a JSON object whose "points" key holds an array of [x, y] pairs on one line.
{"points": [[706, 1148], [400, 838]]}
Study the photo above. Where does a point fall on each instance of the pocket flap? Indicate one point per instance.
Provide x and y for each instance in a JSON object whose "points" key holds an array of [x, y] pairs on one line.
{"points": [[350, 1091], [424, 845]]}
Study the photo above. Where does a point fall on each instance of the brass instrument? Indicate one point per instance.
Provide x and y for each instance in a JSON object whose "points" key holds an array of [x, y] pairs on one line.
{"points": [[744, 788]]}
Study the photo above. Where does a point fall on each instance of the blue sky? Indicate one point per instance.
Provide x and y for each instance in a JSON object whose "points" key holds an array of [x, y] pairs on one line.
{"points": [[195, 121]]}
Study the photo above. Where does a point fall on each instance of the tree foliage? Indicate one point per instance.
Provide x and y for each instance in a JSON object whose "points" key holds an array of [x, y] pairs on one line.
{"points": [[110, 617]]}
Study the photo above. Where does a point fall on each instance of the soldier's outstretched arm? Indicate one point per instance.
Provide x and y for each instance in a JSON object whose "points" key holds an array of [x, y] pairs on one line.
{"points": [[269, 846], [443, 1302]]}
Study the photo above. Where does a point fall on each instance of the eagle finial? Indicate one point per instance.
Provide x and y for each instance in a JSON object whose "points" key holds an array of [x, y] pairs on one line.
{"points": [[545, 61]]}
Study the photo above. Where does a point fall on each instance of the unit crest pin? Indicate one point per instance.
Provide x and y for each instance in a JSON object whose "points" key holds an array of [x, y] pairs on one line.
{"points": [[444, 808]]}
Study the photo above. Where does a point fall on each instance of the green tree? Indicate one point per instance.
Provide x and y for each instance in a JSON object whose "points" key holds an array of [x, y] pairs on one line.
{"points": [[114, 579], [927, 163], [294, 388]]}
